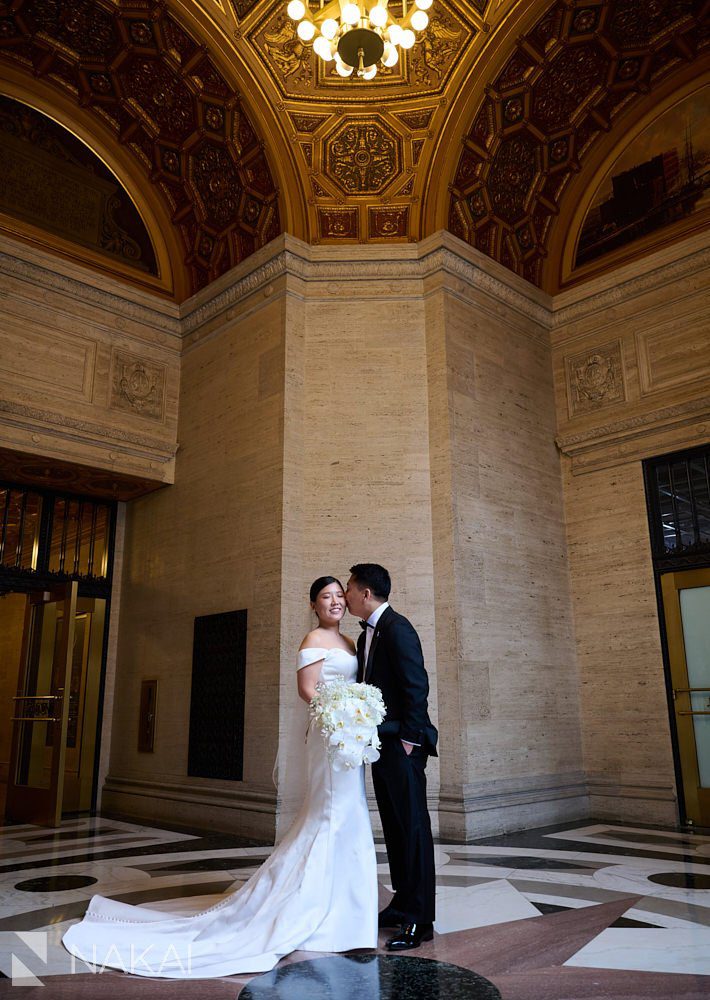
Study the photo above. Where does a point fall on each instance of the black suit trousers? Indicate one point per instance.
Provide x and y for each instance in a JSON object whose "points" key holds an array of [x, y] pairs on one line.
{"points": [[399, 781]]}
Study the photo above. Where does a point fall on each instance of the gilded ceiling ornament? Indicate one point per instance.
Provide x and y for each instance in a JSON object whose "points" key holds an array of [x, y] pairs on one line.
{"points": [[388, 222], [338, 223], [438, 46], [363, 156], [289, 54]]}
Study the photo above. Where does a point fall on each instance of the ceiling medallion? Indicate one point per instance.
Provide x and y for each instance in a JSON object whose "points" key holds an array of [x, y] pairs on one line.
{"points": [[358, 35]]}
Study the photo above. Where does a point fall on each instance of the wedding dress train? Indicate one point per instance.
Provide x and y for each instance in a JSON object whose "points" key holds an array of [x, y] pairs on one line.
{"points": [[316, 892]]}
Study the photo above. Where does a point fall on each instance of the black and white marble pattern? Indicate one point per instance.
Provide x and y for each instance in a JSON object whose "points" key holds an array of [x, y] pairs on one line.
{"points": [[654, 883]]}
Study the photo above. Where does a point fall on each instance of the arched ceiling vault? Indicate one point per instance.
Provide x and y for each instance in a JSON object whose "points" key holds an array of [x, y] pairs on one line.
{"points": [[493, 125], [577, 79]]}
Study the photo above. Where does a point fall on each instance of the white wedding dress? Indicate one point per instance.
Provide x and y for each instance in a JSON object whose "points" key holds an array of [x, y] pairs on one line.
{"points": [[316, 892]]}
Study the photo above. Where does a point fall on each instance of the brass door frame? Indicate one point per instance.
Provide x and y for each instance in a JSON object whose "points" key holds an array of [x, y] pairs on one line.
{"points": [[697, 799], [26, 803]]}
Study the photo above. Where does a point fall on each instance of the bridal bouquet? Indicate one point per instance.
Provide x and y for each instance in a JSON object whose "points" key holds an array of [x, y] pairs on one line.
{"points": [[347, 716]]}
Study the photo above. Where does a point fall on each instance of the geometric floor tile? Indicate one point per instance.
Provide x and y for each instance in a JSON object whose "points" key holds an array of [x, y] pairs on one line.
{"points": [[580, 911], [480, 905], [656, 949]]}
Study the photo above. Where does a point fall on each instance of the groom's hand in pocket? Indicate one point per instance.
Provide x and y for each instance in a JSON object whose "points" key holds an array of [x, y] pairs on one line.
{"points": [[408, 747]]}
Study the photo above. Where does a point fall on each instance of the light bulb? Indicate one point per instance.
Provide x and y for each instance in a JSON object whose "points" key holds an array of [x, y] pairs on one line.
{"points": [[378, 16], [423, 4], [394, 33], [419, 20], [306, 30], [407, 40], [351, 13], [329, 28], [342, 69], [390, 56], [296, 9], [322, 48], [370, 72]]}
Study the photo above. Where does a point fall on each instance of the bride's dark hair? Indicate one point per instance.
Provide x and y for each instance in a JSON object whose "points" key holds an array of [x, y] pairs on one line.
{"points": [[321, 582]]}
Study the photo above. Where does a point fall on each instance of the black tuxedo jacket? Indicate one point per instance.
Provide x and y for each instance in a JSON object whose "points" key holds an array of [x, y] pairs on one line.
{"points": [[396, 666]]}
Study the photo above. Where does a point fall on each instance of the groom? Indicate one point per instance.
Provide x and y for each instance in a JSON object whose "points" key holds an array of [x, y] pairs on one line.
{"points": [[390, 657]]}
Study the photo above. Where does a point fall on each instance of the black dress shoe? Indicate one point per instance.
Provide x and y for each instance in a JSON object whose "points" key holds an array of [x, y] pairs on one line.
{"points": [[390, 917], [410, 936]]}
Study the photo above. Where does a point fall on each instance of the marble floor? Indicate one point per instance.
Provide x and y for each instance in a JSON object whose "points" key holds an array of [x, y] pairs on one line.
{"points": [[584, 911]]}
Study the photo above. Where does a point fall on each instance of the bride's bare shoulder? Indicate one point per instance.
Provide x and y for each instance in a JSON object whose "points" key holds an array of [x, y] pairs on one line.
{"points": [[350, 643], [312, 639]]}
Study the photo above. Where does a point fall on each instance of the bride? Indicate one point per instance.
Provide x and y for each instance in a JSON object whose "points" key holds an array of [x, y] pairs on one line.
{"points": [[316, 892]]}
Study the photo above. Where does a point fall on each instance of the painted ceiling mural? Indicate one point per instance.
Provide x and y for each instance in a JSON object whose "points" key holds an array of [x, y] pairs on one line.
{"points": [[50, 179], [241, 131], [661, 179]]}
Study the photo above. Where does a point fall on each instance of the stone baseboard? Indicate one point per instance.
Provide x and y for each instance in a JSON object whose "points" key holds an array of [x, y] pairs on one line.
{"points": [[488, 808], [629, 800], [246, 812]]}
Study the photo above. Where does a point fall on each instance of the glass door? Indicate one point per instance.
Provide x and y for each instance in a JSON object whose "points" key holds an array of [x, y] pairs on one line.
{"points": [[41, 708], [686, 604]]}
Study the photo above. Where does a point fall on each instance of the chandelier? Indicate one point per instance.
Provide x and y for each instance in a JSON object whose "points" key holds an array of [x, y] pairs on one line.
{"points": [[358, 35]]}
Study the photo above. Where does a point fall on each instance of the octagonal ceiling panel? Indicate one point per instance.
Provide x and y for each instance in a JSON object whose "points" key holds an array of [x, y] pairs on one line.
{"points": [[482, 127]]}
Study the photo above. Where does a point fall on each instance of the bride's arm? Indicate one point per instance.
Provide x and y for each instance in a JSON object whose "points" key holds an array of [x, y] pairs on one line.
{"points": [[307, 678]]}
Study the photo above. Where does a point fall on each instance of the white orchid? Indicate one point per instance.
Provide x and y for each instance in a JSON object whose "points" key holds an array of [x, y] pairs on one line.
{"points": [[347, 716]]}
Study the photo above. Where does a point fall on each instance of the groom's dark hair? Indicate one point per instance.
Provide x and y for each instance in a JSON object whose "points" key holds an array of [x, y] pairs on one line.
{"points": [[373, 577]]}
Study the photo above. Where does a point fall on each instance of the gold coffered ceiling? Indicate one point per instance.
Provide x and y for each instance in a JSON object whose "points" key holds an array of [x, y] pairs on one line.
{"points": [[226, 129], [360, 151]]}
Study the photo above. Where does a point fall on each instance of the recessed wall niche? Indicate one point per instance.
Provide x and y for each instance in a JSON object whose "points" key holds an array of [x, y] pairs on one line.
{"points": [[216, 742]]}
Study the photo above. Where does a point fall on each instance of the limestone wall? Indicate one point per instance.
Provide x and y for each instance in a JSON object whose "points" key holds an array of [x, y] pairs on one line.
{"points": [[417, 406], [366, 489], [89, 367], [211, 543], [632, 375], [505, 644]]}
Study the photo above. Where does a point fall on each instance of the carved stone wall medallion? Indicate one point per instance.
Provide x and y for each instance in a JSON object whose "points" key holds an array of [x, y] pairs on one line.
{"points": [[595, 378], [137, 385]]}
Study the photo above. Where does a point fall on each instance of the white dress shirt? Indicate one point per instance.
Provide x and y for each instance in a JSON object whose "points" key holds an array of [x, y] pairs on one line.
{"points": [[369, 632]]}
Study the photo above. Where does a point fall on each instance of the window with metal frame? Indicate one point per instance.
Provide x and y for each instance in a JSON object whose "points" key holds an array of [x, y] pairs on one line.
{"points": [[678, 490]]}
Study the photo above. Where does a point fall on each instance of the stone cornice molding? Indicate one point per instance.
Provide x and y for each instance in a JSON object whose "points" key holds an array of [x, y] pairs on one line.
{"points": [[482, 280], [595, 301], [235, 293], [288, 257], [114, 302], [160, 451], [633, 427]]}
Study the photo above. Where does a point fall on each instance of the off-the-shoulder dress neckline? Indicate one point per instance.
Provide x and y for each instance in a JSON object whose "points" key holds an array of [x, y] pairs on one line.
{"points": [[327, 649]]}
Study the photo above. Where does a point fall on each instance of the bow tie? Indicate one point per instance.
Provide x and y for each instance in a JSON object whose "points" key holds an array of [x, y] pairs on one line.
{"points": [[363, 625]]}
